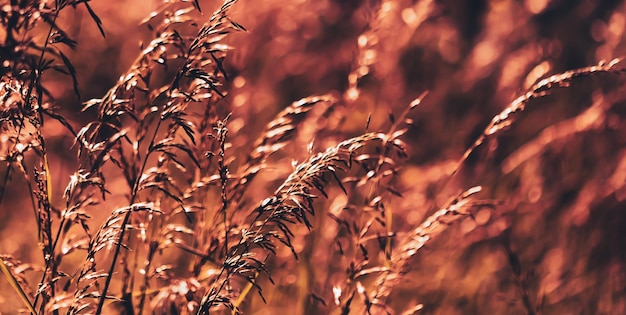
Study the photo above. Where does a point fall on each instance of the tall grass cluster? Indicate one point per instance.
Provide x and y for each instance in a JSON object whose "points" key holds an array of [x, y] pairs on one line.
{"points": [[312, 157]]}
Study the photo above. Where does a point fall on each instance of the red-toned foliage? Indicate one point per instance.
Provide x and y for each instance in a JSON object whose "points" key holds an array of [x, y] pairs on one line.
{"points": [[307, 157]]}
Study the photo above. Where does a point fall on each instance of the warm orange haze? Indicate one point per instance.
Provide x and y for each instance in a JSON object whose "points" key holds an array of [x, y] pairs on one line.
{"points": [[312, 157]]}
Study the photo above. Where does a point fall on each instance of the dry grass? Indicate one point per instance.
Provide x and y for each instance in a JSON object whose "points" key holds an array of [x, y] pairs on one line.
{"points": [[436, 157]]}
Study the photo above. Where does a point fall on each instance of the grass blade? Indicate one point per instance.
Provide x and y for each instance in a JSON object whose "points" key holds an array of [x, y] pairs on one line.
{"points": [[16, 286]]}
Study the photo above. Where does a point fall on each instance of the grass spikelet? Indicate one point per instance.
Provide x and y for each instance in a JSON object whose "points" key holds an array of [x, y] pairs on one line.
{"points": [[430, 228], [540, 89]]}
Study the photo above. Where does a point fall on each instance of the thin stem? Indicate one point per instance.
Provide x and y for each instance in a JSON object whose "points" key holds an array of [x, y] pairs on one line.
{"points": [[118, 246], [35, 82], [223, 170], [173, 86]]}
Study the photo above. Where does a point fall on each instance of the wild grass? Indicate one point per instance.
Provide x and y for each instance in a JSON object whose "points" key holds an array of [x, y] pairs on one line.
{"points": [[312, 157]]}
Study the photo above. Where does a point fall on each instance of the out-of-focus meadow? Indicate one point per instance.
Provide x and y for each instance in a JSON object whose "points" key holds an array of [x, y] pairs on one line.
{"points": [[545, 235]]}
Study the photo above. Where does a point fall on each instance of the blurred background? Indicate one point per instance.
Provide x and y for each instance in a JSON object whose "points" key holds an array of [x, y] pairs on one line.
{"points": [[558, 239]]}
